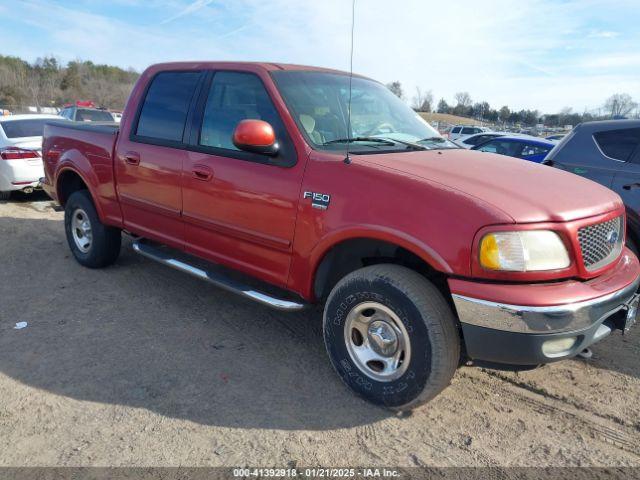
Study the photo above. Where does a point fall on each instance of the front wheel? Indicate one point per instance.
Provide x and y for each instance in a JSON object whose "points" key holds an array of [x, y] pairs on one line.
{"points": [[92, 243], [391, 336]]}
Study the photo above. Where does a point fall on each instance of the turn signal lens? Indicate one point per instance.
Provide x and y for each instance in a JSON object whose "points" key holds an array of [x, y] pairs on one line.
{"points": [[523, 251]]}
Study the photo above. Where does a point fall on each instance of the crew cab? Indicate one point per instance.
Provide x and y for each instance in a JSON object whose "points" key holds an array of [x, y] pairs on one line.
{"points": [[294, 185]]}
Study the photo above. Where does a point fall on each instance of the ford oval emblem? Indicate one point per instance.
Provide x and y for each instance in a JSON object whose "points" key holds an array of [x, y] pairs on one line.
{"points": [[612, 237]]}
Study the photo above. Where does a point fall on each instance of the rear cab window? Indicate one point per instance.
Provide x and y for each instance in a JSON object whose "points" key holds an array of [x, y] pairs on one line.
{"points": [[618, 144]]}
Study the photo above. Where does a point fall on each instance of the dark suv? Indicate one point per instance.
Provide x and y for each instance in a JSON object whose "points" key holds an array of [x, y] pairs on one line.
{"points": [[606, 152]]}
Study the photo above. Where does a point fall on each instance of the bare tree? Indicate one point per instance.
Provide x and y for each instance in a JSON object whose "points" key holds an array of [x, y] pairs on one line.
{"points": [[463, 99], [396, 89], [620, 105], [423, 101]]}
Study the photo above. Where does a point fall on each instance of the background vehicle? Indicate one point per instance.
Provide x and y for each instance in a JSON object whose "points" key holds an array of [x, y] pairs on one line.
{"points": [[86, 114], [20, 147], [460, 132], [527, 148], [473, 140], [607, 152], [555, 138], [243, 166]]}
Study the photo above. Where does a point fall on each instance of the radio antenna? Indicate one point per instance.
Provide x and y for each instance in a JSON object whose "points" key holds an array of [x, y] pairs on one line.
{"points": [[347, 159]]}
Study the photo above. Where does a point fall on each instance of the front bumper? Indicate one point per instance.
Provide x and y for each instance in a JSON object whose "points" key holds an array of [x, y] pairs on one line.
{"points": [[502, 331]]}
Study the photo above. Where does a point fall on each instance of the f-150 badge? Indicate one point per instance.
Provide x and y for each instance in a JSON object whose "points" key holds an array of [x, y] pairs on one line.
{"points": [[318, 200]]}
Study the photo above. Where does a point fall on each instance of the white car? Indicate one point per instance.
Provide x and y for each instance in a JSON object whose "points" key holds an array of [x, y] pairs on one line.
{"points": [[459, 132], [20, 152]]}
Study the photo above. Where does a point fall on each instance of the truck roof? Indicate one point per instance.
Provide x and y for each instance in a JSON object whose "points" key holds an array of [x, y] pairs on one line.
{"points": [[268, 66]]}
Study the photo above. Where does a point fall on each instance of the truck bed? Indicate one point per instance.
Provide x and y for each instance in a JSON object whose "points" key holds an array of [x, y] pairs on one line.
{"points": [[88, 148]]}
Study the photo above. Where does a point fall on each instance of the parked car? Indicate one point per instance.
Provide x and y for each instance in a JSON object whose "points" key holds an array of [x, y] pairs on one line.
{"points": [[20, 146], [607, 152], [525, 147], [459, 133], [86, 114], [117, 116], [555, 137], [473, 140], [417, 249]]}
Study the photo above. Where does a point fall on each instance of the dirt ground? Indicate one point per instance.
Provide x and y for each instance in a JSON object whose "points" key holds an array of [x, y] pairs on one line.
{"points": [[138, 364]]}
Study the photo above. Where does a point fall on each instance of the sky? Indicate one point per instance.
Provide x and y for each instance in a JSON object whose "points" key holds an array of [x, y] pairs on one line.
{"points": [[534, 54]]}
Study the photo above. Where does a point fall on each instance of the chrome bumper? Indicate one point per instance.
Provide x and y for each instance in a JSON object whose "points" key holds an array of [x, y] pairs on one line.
{"points": [[536, 320]]}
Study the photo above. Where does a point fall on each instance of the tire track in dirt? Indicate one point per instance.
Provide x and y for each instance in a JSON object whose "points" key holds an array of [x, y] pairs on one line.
{"points": [[601, 428]]}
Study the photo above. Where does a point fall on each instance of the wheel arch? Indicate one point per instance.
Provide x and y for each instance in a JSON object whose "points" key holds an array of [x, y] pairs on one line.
{"points": [[343, 253], [70, 180]]}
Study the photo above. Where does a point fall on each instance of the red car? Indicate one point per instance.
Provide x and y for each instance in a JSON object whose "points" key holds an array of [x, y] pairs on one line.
{"points": [[423, 254]]}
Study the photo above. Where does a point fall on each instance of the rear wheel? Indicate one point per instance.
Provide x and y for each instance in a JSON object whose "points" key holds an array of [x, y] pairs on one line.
{"points": [[92, 243], [391, 336]]}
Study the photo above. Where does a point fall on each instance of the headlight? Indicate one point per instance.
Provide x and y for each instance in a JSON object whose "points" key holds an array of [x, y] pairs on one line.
{"points": [[523, 251]]}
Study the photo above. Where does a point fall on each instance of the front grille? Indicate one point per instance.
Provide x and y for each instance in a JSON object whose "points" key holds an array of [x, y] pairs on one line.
{"points": [[601, 243]]}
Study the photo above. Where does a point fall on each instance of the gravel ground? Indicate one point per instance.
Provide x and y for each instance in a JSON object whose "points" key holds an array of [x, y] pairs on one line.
{"points": [[141, 365]]}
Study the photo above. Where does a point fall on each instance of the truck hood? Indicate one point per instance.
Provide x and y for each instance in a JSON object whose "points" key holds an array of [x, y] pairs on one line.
{"points": [[526, 191]]}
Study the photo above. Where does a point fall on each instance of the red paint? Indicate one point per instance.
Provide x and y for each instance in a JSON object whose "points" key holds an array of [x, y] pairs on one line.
{"points": [[256, 133], [252, 216]]}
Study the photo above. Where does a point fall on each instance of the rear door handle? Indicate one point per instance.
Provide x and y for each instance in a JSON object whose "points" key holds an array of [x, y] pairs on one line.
{"points": [[202, 172], [132, 158], [631, 185]]}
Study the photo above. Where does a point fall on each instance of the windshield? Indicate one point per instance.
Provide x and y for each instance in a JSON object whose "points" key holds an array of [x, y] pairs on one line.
{"points": [[24, 128], [380, 121], [87, 115]]}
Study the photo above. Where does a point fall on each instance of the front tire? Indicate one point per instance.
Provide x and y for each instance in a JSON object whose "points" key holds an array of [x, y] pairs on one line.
{"points": [[92, 243], [391, 336]]}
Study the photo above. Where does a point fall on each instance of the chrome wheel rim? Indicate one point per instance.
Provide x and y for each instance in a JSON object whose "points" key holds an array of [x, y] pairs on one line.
{"points": [[377, 341], [81, 230]]}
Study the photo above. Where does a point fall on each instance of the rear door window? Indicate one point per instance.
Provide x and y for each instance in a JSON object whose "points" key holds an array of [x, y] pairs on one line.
{"points": [[455, 130], [618, 144], [164, 112], [468, 131]]}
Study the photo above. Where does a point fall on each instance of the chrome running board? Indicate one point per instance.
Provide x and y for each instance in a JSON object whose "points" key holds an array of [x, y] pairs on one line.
{"points": [[217, 279]]}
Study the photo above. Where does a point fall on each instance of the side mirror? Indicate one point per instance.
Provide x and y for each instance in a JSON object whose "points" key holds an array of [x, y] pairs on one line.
{"points": [[255, 136]]}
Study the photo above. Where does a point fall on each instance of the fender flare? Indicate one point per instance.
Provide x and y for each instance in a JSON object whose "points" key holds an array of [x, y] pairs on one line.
{"points": [[68, 165], [373, 232]]}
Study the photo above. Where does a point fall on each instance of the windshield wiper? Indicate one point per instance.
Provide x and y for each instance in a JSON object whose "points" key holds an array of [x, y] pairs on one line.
{"points": [[440, 140], [361, 139], [433, 139], [415, 146]]}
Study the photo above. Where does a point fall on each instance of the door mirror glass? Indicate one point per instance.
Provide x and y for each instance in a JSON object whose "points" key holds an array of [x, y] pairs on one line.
{"points": [[255, 136]]}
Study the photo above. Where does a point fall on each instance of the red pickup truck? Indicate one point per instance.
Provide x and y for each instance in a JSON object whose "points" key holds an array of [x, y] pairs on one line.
{"points": [[423, 254]]}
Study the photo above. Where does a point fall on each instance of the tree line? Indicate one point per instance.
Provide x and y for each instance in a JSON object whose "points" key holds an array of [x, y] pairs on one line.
{"points": [[48, 83], [619, 105]]}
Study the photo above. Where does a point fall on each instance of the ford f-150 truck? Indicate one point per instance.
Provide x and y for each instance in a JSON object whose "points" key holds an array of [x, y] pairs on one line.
{"points": [[295, 185]]}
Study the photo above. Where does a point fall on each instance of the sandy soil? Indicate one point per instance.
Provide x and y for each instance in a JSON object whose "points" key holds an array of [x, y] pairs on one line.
{"points": [[141, 365]]}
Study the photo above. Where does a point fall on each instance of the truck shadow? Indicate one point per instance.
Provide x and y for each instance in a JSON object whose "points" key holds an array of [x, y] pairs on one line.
{"points": [[142, 335]]}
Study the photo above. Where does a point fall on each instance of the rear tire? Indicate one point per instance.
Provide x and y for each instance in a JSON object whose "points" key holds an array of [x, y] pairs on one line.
{"points": [[92, 243], [391, 336]]}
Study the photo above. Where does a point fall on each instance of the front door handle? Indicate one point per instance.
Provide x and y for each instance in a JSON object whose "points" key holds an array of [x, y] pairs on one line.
{"points": [[631, 185], [132, 158], [202, 172]]}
